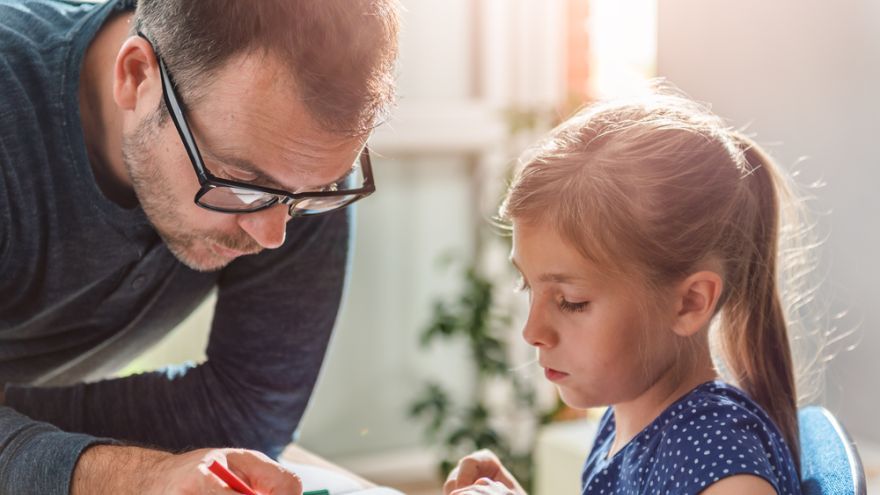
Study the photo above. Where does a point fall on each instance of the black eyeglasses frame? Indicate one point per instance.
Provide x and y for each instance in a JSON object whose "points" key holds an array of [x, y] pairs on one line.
{"points": [[208, 181]]}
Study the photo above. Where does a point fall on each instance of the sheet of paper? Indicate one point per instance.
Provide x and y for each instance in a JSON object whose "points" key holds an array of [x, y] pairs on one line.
{"points": [[318, 478], [379, 490]]}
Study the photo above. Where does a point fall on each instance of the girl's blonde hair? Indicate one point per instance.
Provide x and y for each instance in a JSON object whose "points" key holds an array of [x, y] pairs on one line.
{"points": [[650, 188]]}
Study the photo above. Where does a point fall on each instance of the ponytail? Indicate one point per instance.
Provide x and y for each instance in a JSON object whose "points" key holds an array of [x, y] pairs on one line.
{"points": [[754, 335]]}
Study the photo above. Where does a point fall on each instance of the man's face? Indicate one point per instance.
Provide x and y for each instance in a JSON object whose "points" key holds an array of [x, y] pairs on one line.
{"points": [[250, 112]]}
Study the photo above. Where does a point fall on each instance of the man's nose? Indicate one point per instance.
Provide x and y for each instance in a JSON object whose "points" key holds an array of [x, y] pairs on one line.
{"points": [[267, 227]]}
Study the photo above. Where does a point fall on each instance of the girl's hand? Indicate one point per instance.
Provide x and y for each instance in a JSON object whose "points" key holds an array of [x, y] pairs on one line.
{"points": [[481, 464], [485, 486]]}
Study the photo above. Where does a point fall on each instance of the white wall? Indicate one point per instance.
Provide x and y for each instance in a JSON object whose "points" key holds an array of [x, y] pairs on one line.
{"points": [[422, 209], [805, 74], [375, 366]]}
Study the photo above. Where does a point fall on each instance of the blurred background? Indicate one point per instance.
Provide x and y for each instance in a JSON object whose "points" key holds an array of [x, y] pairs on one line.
{"points": [[478, 81]]}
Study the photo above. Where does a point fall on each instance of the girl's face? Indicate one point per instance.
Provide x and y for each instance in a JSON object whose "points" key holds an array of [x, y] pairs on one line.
{"points": [[592, 339]]}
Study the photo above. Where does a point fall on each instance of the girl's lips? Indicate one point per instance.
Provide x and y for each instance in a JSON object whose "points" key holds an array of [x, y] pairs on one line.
{"points": [[554, 375]]}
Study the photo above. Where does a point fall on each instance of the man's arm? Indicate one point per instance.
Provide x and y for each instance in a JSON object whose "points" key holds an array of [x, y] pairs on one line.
{"points": [[37, 457], [270, 331], [118, 470], [137, 471]]}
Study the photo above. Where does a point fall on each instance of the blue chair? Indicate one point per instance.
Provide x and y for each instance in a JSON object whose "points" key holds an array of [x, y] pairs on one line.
{"points": [[830, 464]]}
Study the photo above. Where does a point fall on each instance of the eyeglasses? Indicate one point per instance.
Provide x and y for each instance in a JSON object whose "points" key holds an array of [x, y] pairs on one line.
{"points": [[230, 196]]}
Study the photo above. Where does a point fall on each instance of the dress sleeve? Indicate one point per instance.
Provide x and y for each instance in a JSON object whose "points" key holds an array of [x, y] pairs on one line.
{"points": [[708, 441]]}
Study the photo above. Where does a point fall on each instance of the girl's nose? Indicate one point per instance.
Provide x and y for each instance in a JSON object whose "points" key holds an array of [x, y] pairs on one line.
{"points": [[268, 227], [537, 331]]}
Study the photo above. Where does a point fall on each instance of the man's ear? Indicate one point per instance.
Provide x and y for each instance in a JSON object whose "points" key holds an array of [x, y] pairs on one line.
{"points": [[136, 78], [695, 300]]}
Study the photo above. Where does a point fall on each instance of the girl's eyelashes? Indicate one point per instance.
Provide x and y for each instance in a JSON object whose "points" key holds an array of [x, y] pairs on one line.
{"points": [[564, 305], [572, 307]]}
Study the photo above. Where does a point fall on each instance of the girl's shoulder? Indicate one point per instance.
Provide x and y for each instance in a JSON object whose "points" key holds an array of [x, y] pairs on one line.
{"points": [[713, 403], [713, 432], [716, 431]]}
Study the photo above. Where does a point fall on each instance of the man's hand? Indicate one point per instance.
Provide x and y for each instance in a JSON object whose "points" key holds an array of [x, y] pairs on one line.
{"points": [[124, 470], [188, 473], [481, 473]]}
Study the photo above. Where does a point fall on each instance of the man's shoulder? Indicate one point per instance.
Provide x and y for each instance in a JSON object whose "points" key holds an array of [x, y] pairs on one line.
{"points": [[43, 17], [32, 55], [33, 40], [36, 35]]}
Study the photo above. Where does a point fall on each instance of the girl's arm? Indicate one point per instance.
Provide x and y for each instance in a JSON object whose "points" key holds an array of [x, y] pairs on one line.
{"points": [[741, 483]]}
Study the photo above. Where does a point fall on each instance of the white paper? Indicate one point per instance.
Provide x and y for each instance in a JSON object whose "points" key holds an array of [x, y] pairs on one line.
{"points": [[318, 478]]}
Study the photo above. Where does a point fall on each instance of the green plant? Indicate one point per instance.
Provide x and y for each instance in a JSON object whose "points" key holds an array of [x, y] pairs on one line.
{"points": [[458, 429]]}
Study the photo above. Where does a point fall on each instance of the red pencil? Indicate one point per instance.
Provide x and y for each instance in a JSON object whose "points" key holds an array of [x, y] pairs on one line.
{"points": [[230, 478]]}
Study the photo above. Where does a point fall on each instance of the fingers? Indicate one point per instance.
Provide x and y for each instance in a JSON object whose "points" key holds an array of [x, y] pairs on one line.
{"points": [[451, 482], [470, 469], [191, 473], [211, 484], [480, 464], [484, 486], [263, 474]]}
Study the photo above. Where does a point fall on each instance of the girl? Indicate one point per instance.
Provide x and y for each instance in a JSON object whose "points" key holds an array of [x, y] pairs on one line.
{"points": [[636, 225]]}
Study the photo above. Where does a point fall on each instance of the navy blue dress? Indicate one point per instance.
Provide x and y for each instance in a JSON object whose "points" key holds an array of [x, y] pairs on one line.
{"points": [[712, 432]]}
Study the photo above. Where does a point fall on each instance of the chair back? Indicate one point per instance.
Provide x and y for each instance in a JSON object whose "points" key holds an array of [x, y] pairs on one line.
{"points": [[830, 463]]}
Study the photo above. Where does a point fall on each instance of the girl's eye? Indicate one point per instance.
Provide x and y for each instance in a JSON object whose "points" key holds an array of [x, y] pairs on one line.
{"points": [[572, 307], [521, 285]]}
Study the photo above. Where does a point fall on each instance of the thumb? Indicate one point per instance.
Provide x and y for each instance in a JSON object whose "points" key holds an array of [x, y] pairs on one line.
{"points": [[263, 474], [480, 464]]}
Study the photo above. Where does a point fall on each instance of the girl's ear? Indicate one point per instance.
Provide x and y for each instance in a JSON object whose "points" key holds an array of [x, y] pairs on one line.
{"points": [[695, 300]]}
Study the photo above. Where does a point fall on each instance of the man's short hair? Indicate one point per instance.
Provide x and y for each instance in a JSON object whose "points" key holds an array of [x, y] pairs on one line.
{"points": [[341, 54]]}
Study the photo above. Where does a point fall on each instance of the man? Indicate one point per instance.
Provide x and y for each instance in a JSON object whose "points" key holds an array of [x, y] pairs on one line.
{"points": [[147, 157]]}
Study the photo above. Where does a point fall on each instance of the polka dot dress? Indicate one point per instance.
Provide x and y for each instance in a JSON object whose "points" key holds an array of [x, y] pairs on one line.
{"points": [[713, 432]]}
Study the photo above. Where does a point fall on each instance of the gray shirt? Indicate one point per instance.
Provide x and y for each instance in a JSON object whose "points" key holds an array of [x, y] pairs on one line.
{"points": [[86, 285]]}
